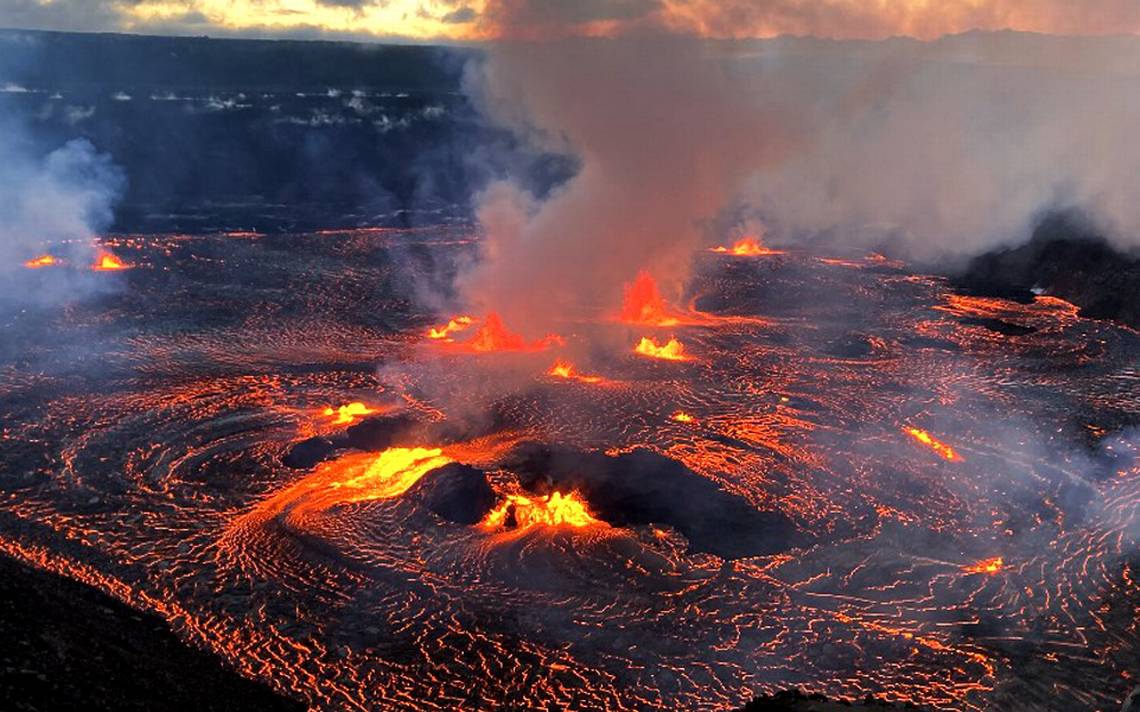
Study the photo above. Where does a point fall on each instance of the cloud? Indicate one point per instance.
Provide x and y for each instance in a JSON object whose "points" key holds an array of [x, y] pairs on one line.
{"points": [[460, 16], [547, 19]]}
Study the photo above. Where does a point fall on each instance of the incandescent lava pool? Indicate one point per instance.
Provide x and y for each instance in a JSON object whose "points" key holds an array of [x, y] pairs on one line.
{"points": [[851, 480]]}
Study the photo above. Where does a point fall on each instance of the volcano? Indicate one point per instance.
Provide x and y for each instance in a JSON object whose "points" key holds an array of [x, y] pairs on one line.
{"points": [[381, 397]]}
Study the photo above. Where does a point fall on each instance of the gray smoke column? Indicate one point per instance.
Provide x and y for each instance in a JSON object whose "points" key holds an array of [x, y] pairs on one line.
{"points": [[663, 137], [932, 150], [56, 202]]}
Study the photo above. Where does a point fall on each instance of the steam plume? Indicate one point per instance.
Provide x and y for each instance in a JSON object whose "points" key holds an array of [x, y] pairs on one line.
{"points": [[934, 150]]}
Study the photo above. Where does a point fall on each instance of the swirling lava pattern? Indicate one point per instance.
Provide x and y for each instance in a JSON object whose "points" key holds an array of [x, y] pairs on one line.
{"points": [[144, 432]]}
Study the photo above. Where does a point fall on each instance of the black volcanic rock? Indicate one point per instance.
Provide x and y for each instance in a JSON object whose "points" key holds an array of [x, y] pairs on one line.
{"points": [[998, 326], [796, 701], [308, 453], [643, 487], [1065, 258], [70, 647], [381, 433], [459, 493]]}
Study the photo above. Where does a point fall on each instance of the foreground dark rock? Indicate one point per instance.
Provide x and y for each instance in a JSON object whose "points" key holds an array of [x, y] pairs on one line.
{"points": [[1067, 259], [643, 487], [69, 646], [796, 701]]}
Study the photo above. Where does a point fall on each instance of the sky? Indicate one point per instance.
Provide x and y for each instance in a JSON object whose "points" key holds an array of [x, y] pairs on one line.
{"points": [[475, 20]]}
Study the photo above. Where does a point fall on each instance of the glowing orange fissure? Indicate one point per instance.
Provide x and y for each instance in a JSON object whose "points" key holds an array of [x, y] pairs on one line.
{"points": [[555, 510], [347, 413], [940, 448], [107, 262], [459, 323], [41, 261], [561, 369], [985, 566], [672, 350], [682, 417], [747, 247], [492, 335], [642, 304]]}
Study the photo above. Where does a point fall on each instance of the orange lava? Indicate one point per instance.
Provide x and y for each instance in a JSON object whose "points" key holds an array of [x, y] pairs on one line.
{"points": [[459, 323], [642, 303], [556, 510], [561, 369], [682, 417], [985, 566], [391, 474], [107, 262], [942, 449], [356, 477], [672, 350], [41, 261], [493, 335], [348, 413], [747, 247]]}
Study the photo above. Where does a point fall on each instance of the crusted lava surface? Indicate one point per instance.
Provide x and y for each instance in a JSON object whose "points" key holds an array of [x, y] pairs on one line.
{"points": [[858, 481]]}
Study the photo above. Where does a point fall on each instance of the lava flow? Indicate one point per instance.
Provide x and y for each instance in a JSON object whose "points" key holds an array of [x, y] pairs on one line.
{"points": [[747, 247], [567, 371], [41, 261], [675, 537], [642, 304], [520, 512], [457, 324], [942, 449], [493, 335], [986, 566], [108, 262], [672, 350], [348, 413]]}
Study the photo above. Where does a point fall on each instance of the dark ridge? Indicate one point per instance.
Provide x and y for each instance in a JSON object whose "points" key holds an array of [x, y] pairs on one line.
{"points": [[70, 646], [309, 453], [643, 487], [1065, 258], [796, 701], [265, 135], [102, 59], [381, 433], [998, 326], [458, 493]]}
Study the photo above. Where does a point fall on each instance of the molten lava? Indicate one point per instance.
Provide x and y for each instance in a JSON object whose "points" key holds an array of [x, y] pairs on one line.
{"points": [[348, 413], [942, 449], [391, 474], [459, 323], [493, 335], [671, 350], [567, 371], [985, 566], [107, 262], [642, 304], [747, 247], [682, 417], [41, 261], [556, 510]]}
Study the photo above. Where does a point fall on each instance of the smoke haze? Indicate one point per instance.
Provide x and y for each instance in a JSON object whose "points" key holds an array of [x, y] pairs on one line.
{"points": [[931, 151]]}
